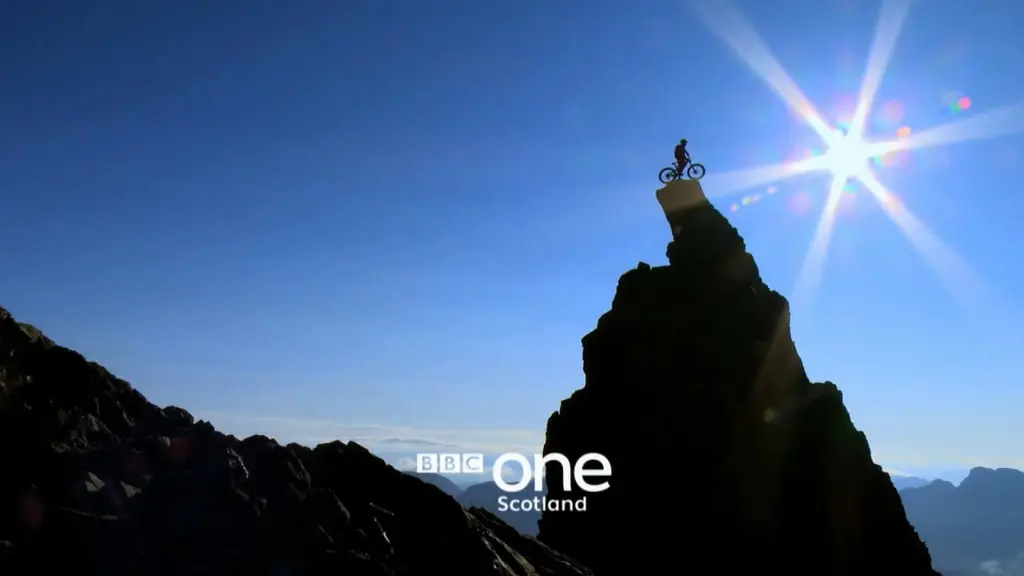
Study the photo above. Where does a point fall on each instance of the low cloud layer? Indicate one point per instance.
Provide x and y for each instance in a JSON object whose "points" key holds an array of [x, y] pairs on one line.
{"points": [[398, 445], [379, 438]]}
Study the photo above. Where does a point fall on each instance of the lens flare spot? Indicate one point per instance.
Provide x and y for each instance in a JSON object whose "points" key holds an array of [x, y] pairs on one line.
{"points": [[892, 111], [772, 189], [800, 203], [960, 104], [734, 207], [903, 132], [746, 201]]}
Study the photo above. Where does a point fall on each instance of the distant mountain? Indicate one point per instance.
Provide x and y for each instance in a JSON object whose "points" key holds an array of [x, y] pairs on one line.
{"points": [[979, 521], [486, 494], [904, 482], [446, 485]]}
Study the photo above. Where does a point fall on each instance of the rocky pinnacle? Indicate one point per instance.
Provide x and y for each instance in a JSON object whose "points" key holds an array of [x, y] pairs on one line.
{"points": [[725, 458]]}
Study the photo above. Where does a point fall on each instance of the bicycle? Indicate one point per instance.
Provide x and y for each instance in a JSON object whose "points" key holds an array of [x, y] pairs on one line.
{"points": [[694, 171]]}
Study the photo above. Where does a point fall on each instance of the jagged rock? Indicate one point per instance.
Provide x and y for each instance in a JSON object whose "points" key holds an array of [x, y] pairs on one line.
{"points": [[725, 458], [96, 480]]}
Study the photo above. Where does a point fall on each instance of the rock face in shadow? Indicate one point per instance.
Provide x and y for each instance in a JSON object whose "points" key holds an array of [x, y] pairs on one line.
{"points": [[96, 480], [725, 458]]}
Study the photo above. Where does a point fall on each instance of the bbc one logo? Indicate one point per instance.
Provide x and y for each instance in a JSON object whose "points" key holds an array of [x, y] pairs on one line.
{"points": [[574, 477]]}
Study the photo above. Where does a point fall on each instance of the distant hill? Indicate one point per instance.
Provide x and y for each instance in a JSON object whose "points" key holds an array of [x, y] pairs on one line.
{"points": [[446, 485], [904, 482], [485, 495], [979, 521]]}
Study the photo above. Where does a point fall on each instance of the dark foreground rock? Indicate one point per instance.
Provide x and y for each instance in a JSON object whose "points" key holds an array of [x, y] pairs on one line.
{"points": [[725, 458], [96, 480]]}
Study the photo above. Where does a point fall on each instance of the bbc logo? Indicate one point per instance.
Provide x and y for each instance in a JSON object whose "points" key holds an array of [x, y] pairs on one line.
{"points": [[450, 463]]}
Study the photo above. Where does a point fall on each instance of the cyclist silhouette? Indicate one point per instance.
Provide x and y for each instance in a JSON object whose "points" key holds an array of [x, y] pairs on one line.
{"points": [[683, 167], [682, 156]]}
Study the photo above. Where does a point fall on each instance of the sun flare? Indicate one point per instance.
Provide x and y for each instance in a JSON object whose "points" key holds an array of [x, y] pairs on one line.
{"points": [[847, 156]]}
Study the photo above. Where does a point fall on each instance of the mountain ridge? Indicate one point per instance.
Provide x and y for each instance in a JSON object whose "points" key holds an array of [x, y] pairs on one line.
{"points": [[117, 486], [977, 521]]}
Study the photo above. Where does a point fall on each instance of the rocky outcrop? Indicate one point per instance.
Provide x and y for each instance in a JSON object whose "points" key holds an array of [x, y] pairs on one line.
{"points": [[725, 458], [96, 480]]}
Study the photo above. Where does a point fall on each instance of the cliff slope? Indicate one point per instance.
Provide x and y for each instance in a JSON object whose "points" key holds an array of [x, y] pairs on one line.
{"points": [[99, 481], [692, 378]]}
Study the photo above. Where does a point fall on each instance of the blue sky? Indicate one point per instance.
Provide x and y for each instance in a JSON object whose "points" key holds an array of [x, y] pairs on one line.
{"points": [[393, 221]]}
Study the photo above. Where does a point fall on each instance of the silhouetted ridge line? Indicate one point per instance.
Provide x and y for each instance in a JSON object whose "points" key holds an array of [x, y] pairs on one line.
{"points": [[100, 481], [726, 459]]}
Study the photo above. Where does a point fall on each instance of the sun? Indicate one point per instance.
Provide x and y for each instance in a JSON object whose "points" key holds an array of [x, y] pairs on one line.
{"points": [[847, 155]]}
